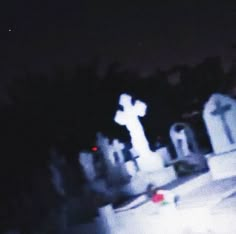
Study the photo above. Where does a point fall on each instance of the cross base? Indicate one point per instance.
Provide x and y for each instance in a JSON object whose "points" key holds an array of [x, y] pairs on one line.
{"points": [[151, 163]]}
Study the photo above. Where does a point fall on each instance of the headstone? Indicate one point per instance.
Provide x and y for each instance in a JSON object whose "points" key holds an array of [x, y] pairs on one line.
{"points": [[179, 133], [55, 166], [186, 147], [114, 158], [150, 163], [118, 147], [107, 217], [220, 119], [109, 150], [129, 117], [87, 163]]}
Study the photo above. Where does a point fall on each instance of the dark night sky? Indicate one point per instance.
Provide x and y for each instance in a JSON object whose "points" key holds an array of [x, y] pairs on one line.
{"points": [[141, 34]]}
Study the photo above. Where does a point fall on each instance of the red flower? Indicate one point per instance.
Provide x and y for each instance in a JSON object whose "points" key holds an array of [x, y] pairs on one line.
{"points": [[157, 198]]}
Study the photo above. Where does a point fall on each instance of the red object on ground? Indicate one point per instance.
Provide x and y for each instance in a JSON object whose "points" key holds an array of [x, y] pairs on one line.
{"points": [[94, 148], [157, 198]]}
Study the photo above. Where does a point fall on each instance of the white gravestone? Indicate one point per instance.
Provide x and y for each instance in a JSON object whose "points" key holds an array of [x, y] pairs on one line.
{"points": [[148, 161], [87, 163], [107, 217], [150, 164], [107, 150], [118, 147], [115, 165], [120, 159], [220, 119]]}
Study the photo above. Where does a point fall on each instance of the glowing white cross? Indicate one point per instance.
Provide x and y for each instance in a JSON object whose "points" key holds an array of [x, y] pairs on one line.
{"points": [[130, 118]]}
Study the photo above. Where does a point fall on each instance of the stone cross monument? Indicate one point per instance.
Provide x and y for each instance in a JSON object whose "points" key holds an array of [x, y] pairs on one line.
{"points": [[129, 117]]}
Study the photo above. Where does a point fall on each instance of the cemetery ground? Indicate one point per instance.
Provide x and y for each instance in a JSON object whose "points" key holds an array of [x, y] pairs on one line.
{"points": [[209, 207]]}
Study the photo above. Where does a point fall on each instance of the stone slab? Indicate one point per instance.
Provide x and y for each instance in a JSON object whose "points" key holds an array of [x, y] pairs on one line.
{"points": [[209, 194], [222, 165], [192, 184], [139, 182]]}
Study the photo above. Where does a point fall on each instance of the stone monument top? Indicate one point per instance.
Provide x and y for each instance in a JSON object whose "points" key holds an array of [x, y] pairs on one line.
{"points": [[220, 119]]}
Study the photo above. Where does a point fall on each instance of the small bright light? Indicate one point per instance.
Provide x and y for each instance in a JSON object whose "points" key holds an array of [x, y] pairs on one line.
{"points": [[9, 30], [94, 148]]}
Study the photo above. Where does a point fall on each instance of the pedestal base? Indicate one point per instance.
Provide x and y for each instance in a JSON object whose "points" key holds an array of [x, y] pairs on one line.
{"points": [[222, 165]]}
